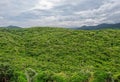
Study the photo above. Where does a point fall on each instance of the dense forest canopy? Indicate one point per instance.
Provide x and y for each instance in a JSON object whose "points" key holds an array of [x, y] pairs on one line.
{"points": [[59, 55]]}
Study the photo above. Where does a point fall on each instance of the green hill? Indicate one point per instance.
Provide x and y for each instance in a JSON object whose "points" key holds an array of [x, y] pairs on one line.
{"points": [[59, 55]]}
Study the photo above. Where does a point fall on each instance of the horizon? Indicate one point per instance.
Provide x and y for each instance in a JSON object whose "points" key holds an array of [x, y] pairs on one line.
{"points": [[59, 13], [63, 27]]}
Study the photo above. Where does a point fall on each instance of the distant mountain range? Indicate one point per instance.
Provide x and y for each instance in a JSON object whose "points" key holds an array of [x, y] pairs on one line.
{"points": [[97, 27], [11, 26], [100, 26]]}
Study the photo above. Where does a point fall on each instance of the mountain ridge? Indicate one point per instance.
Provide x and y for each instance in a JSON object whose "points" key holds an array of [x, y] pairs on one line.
{"points": [[10, 26], [100, 26]]}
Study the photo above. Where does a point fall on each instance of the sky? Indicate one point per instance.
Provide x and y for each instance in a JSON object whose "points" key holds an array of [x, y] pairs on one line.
{"points": [[58, 13]]}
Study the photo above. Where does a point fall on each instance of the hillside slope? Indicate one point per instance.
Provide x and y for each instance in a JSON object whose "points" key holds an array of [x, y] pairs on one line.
{"points": [[60, 55]]}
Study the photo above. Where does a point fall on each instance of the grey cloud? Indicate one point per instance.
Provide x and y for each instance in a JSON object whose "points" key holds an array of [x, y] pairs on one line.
{"points": [[65, 13]]}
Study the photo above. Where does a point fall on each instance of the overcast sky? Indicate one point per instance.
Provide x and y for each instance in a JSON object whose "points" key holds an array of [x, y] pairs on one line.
{"points": [[60, 13]]}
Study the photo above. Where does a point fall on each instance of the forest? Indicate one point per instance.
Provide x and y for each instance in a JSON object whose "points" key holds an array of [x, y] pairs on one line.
{"points": [[47, 54]]}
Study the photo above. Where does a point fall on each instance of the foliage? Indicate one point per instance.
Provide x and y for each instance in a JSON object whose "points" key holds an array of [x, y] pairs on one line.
{"points": [[59, 55], [6, 72], [102, 76]]}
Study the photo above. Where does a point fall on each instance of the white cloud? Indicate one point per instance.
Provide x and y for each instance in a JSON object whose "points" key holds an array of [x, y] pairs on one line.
{"points": [[45, 4], [1, 17]]}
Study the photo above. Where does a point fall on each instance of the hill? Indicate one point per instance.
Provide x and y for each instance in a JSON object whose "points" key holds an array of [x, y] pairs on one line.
{"points": [[11, 26], [101, 26], [59, 55]]}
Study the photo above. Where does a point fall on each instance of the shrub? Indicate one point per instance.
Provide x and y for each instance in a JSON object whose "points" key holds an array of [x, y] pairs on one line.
{"points": [[30, 74], [48, 76], [59, 77], [117, 78], [6, 72], [80, 77], [102, 76]]}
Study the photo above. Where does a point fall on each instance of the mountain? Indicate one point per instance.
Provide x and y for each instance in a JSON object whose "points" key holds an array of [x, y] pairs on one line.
{"points": [[11, 26], [101, 26]]}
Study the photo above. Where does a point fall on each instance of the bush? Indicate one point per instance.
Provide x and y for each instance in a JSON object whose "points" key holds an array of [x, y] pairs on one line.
{"points": [[6, 72], [102, 76], [117, 78], [21, 77], [30, 74], [48, 76], [80, 77], [44, 77], [59, 77]]}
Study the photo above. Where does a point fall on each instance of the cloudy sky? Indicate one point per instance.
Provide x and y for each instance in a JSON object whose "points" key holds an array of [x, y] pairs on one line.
{"points": [[60, 13]]}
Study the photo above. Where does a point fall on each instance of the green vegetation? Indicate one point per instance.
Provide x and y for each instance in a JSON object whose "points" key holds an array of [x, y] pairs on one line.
{"points": [[59, 55]]}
